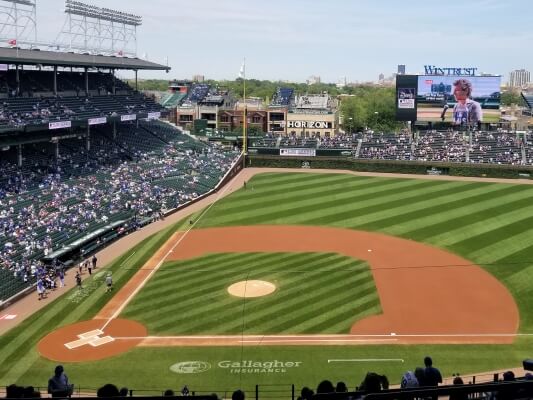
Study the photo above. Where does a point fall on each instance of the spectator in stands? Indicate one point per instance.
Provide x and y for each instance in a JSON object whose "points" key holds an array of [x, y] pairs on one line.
{"points": [[59, 385], [432, 376], [325, 387], [374, 383], [458, 396], [108, 390], [341, 387], [238, 395], [409, 381], [306, 394]]}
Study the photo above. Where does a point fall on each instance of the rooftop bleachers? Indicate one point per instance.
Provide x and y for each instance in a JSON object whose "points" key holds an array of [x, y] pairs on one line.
{"points": [[198, 92], [282, 97]]}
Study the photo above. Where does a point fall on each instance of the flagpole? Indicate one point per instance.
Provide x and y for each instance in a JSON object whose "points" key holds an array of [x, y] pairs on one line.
{"points": [[245, 117]]}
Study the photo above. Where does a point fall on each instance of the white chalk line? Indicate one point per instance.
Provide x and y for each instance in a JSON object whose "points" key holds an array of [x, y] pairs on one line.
{"points": [[389, 337], [141, 285]]}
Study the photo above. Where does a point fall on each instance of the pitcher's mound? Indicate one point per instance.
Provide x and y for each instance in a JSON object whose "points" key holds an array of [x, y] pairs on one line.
{"points": [[251, 288]]}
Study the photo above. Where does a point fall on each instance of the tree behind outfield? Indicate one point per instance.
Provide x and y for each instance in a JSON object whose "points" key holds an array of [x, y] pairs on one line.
{"points": [[370, 107]]}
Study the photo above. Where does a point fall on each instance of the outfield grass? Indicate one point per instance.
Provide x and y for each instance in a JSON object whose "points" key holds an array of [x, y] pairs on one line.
{"points": [[488, 223], [315, 293]]}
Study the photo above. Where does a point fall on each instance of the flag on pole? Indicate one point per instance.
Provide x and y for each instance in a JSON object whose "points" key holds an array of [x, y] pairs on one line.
{"points": [[242, 72], [12, 42]]}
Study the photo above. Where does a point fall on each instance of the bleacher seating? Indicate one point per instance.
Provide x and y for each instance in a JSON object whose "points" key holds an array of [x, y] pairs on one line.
{"points": [[282, 97], [127, 178], [21, 111]]}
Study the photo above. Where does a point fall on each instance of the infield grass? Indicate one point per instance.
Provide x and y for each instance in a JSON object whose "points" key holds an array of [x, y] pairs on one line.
{"points": [[315, 293]]}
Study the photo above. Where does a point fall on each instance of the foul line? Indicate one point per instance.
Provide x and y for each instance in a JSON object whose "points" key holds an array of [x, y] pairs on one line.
{"points": [[141, 285]]}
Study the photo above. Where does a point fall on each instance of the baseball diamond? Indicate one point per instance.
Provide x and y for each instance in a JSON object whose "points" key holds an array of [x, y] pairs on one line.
{"points": [[365, 269]]}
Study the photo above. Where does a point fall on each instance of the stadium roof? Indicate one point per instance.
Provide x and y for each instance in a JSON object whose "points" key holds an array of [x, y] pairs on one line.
{"points": [[61, 59]]}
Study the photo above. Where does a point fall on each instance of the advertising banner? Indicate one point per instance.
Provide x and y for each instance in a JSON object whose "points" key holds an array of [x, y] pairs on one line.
{"points": [[59, 125], [298, 152], [97, 121], [129, 117]]}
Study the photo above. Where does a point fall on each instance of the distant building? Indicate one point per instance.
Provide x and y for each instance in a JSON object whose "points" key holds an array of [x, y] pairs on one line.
{"points": [[519, 78], [401, 69], [381, 77], [198, 78], [313, 80]]}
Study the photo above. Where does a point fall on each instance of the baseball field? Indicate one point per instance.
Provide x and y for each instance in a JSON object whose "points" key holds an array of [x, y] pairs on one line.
{"points": [[335, 275]]}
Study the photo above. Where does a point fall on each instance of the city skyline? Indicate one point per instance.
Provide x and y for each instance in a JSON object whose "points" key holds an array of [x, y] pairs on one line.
{"points": [[335, 39]]}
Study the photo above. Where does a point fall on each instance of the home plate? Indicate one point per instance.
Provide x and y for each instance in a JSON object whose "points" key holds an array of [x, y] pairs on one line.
{"points": [[369, 250], [393, 334]]}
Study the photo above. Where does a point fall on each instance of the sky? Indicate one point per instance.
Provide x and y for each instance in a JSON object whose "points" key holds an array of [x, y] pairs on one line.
{"points": [[294, 39]]}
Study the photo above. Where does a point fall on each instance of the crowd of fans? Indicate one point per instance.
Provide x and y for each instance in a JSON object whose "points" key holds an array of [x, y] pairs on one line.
{"points": [[43, 212], [499, 147], [426, 377]]}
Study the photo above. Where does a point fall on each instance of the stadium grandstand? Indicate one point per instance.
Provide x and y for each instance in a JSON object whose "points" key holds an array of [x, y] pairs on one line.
{"points": [[85, 160]]}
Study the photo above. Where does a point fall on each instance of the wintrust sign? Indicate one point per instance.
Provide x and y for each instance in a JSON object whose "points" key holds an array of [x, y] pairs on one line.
{"points": [[458, 71]]}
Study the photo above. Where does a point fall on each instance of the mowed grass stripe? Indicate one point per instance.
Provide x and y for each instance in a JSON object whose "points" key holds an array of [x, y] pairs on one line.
{"points": [[370, 307], [440, 224], [394, 201], [501, 240], [464, 227], [173, 290], [301, 297], [328, 209], [266, 197], [263, 197], [212, 312], [182, 274], [389, 217], [322, 307], [188, 296], [295, 204], [345, 314], [225, 301]]}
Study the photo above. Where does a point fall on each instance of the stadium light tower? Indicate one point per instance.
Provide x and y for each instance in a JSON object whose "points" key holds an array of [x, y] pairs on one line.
{"points": [[18, 22], [88, 28]]}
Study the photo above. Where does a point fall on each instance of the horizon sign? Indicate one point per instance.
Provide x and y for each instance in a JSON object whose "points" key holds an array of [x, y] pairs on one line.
{"points": [[458, 71]]}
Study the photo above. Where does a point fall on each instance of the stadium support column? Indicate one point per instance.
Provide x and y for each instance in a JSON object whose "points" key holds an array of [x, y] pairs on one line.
{"points": [[57, 151], [114, 130], [19, 156], [87, 81], [17, 78], [55, 80], [136, 81], [114, 81], [88, 141]]}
